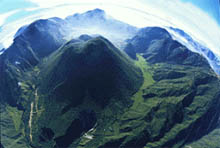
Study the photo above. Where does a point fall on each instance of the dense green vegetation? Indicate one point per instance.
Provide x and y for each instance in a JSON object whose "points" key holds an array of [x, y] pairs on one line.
{"points": [[209, 141], [89, 94]]}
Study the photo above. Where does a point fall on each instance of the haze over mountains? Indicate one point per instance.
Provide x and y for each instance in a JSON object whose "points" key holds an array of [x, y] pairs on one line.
{"points": [[92, 81]]}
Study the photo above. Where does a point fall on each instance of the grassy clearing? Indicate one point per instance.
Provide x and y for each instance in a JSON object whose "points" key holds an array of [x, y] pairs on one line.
{"points": [[148, 80], [16, 116]]}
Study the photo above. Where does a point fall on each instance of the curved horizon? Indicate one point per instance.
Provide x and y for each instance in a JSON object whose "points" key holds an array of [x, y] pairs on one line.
{"points": [[187, 15]]}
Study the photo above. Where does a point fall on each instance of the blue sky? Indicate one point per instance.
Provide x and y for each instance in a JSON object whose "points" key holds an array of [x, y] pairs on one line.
{"points": [[212, 7], [199, 18], [9, 5], [16, 6]]}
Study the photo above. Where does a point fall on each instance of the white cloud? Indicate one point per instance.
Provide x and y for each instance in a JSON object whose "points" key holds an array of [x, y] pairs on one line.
{"points": [[4, 16], [52, 3]]}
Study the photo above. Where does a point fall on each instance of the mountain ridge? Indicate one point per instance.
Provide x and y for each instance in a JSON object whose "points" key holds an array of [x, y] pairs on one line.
{"points": [[213, 59]]}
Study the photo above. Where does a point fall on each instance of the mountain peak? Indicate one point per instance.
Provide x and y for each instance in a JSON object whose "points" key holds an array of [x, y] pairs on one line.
{"points": [[144, 38], [95, 13], [99, 13], [157, 45], [195, 46], [83, 64], [154, 32]]}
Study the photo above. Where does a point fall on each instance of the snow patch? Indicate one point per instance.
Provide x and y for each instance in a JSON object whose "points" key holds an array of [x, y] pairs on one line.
{"points": [[88, 136], [17, 63], [19, 83]]}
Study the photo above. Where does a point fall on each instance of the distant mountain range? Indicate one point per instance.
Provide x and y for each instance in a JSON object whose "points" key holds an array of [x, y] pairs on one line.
{"points": [[62, 87]]}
